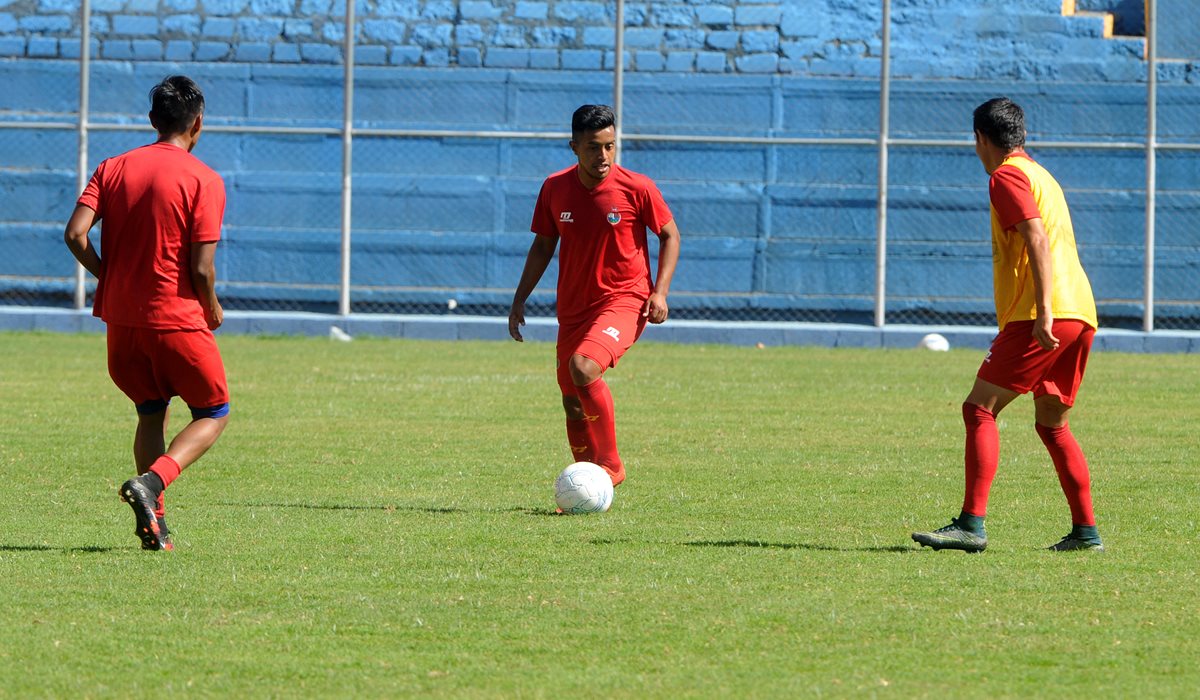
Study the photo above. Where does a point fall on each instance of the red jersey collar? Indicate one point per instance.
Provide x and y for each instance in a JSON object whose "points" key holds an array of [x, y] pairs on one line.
{"points": [[600, 185]]}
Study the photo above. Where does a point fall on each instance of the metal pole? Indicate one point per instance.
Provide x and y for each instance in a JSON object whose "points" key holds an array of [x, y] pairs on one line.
{"points": [[1151, 166], [85, 60], [885, 88], [619, 76], [347, 155]]}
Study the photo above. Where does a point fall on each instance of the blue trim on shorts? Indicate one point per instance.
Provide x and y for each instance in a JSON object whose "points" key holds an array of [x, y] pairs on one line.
{"points": [[154, 406], [219, 411]]}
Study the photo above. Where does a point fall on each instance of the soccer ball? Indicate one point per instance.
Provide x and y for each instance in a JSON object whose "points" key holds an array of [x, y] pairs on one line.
{"points": [[934, 341], [583, 487]]}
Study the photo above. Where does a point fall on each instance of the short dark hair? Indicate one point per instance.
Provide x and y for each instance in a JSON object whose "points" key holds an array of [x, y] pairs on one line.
{"points": [[174, 104], [1002, 121], [591, 118]]}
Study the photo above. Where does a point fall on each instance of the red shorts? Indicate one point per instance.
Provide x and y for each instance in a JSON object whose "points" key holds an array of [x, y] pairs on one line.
{"points": [[1016, 361], [602, 338], [151, 365]]}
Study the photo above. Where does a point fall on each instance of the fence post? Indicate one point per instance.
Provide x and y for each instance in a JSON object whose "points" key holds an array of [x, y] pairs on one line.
{"points": [[885, 88], [1151, 155], [619, 77], [347, 156], [85, 61]]}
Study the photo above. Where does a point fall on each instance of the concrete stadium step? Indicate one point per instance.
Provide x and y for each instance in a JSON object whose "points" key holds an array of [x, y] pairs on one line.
{"points": [[1105, 19]]}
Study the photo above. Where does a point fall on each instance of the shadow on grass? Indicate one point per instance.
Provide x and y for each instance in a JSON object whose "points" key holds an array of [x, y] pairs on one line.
{"points": [[391, 507], [46, 548], [759, 544], [386, 507], [896, 548]]}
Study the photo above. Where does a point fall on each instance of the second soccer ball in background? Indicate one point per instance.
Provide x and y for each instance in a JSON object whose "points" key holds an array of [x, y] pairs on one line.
{"points": [[934, 341]]}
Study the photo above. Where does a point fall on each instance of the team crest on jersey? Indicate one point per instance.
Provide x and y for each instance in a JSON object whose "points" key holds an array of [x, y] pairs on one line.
{"points": [[614, 217]]}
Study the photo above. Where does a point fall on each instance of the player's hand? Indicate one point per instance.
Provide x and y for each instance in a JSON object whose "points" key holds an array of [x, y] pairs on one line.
{"points": [[214, 316], [516, 319], [1043, 332], [655, 308]]}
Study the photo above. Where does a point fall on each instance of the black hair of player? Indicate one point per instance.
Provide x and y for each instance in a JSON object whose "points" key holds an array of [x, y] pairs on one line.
{"points": [[591, 118], [1002, 121], [174, 104]]}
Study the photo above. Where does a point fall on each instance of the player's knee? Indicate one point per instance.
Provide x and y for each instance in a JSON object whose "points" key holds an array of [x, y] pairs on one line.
{"points": [[584, 370], [572, 407], [1050, 412]]}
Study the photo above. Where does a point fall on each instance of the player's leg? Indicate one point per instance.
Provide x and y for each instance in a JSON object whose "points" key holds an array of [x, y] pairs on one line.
{"points": [[193, 441], [591, 349], [981, 456], [981, 453], [189, 364], [596, 402], [579, 434], [579, 437], [131, 370], [994, 388], [150, 439], [149, 443], [1053, 399]]}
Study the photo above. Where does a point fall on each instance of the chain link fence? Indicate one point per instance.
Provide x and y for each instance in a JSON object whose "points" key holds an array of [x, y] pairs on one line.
{"points": [[775, 182]]}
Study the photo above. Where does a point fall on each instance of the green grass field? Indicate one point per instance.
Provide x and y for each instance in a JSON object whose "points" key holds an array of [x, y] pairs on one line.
{"points": [[376, 522]]}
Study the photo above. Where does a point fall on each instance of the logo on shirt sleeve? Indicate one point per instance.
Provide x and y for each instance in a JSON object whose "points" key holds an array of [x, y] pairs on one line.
{"points": [[565, 218]]}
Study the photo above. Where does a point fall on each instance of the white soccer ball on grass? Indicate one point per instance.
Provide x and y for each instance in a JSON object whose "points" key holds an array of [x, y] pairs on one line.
{"points": [[583, 487], [934, 341]]}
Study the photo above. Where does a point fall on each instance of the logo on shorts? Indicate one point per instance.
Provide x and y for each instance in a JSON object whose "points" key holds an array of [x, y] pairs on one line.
{"points": [[613, 333], [565, 218], [614, 217]]}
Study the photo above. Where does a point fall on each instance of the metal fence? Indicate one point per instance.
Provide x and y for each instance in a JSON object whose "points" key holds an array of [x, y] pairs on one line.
{"points": [[889, 250]]}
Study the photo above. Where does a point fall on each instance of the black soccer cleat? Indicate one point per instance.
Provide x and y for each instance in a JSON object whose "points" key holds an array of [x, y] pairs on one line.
{"points": [[953, 536], [1073, 543], [142, 501]]}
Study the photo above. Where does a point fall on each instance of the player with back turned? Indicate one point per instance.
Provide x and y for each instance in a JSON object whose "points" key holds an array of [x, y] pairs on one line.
{"points": [[162, 210], [1047, 319], [600, 212]]}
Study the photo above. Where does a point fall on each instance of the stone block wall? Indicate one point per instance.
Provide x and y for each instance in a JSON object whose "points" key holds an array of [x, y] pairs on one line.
{"points": [[772, 231], [932, 39]]}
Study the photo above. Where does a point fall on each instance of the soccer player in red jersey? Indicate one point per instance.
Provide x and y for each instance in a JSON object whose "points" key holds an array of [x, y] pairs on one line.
{"points": [[162, 211], [1047, 319], [600, 212]]}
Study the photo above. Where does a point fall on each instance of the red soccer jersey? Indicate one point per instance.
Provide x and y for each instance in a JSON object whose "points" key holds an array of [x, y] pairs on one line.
{"points": [[154, 203], [603, 252]]}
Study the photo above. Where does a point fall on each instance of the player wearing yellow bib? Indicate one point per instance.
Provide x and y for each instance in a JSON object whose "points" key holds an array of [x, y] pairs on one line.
{"points": [[1047, 319]]}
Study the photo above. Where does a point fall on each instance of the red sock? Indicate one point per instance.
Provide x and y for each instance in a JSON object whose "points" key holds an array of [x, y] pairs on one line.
{"points": [[982, 457], [166, 468], [597, 403], [1072, 470], [579, 438]]}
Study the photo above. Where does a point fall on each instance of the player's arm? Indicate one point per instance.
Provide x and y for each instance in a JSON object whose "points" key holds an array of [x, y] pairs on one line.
{"points": [[204, 281], [655, 308], [1038, 247], [76, 236], [541, 252]]}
